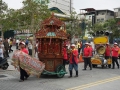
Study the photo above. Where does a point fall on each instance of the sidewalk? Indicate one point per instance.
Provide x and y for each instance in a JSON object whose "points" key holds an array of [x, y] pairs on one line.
{"points": [[11, 67]]}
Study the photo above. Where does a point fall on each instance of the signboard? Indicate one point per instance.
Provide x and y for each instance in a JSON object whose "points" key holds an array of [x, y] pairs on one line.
{"points": [[100, 40]]}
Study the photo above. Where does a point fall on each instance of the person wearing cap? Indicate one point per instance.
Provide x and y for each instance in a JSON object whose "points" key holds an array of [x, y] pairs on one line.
{"points": [[65, 56], [23, 73], [115, 50], [73, 60], [87, 52]]}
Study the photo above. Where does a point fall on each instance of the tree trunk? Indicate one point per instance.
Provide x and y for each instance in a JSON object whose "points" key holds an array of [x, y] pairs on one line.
{"points": [[33, 32]]}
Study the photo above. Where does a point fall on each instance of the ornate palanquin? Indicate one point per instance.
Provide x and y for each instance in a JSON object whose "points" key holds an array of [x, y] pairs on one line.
{"points": [[51, 38]]}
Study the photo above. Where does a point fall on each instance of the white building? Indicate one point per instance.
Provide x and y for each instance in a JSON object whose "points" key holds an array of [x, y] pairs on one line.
{"points": [[64, 5], [103, 15], [117, 12]]}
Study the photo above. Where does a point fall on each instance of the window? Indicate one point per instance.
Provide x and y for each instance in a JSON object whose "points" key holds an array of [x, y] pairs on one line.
{"points": [[98, 20], [102, 19], [102, 13], [89, 17]]}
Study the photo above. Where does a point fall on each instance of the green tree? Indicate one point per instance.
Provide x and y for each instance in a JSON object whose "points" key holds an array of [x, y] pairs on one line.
{"points": [[97, 27], [3, 8], [72, 26], [36, 13]]}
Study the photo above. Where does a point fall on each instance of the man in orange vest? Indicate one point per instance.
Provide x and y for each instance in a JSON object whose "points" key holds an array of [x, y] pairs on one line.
{"points": [[73, 60]]}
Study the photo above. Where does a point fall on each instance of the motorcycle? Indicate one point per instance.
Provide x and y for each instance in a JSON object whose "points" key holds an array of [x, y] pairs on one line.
{"points": [[4, 63]]}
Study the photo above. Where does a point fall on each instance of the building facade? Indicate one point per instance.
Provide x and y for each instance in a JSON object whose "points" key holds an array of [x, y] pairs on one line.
{"points": [[117, 12], [95, 16], [65, 6], [103, 15]]}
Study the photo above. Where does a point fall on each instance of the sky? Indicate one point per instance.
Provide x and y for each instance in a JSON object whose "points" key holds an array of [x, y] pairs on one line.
{"points": [[77, 4]]}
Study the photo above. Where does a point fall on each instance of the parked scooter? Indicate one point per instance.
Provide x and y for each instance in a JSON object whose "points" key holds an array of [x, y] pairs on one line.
{"points": [[4, 64]]}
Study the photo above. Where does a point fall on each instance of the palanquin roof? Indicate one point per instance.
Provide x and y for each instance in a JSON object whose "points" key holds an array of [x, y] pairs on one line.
{"points": [[52, 27]]}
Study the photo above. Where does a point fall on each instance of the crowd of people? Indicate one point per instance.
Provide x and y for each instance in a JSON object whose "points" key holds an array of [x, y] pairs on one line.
{"points": [[6, 45], [70, 53], [25, 46]]}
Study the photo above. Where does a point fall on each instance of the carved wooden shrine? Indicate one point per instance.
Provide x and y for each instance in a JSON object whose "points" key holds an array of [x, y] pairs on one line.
{"points": [[51, 38]]}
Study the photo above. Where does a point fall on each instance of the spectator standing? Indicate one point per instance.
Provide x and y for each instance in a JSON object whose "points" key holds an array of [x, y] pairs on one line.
{"points": [[1, 53], [6, 46], [1, 38], [26, 42], [10, 45], [30, 48], [17, 43], [79, 47], [1, 50]]}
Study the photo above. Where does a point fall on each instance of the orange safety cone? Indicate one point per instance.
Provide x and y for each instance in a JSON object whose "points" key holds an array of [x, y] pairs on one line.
{"points": [[80, 59]]}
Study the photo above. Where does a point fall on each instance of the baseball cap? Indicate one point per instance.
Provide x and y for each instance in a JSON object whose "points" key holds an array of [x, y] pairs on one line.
{"points": [[87, 43], [22, 43], [115, 43], [73, 45]]}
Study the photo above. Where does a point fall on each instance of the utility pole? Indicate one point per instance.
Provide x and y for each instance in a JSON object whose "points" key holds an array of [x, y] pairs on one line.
{"points": [[33, 32], [71, 18], [70, 7]]}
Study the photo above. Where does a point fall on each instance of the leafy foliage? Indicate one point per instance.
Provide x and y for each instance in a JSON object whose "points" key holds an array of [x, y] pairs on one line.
{"points": [[22, 18]]}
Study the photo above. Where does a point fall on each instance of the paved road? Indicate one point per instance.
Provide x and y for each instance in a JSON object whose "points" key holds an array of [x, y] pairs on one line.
{"points": [[96, 79]]}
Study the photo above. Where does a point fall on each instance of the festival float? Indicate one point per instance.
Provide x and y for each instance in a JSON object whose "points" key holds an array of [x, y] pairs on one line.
{"points": [[51, 37]]}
